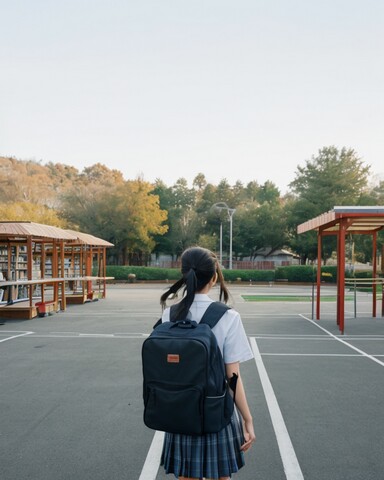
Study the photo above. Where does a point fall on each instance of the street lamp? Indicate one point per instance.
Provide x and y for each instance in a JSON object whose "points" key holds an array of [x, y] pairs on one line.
{"points": [[218, 207]]}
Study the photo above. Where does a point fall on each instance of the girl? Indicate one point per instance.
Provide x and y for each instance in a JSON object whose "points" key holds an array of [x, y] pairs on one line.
{"points": [[213, 455]]}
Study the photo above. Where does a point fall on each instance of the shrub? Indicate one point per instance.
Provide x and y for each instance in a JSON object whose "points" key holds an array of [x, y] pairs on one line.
{"points": [[158, 274], [296, 273], [249, 275], [328, 273], [121, 272], [291, 273], [359, 274]]}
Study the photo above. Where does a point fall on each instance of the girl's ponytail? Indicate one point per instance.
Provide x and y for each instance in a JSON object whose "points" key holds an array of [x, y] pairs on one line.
{"points": [[198, 267], [182, 308], [171, 291]]}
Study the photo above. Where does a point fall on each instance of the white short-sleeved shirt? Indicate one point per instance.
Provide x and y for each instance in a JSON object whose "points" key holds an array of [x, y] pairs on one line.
{"points": [[229, 331]]}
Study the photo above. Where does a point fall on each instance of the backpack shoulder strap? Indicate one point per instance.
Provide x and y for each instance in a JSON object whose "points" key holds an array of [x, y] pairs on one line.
{"points": [[213, 313]]}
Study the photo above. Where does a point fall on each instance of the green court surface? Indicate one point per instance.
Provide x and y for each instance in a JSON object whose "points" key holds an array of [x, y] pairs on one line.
{"points": [[290, 298]]}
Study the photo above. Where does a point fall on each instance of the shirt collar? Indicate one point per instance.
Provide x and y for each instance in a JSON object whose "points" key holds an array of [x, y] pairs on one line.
{"points": [[202, 297]]}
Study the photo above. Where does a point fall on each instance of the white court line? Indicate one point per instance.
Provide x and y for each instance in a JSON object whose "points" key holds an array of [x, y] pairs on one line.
{"points": [[125, 313], [286, 335], [288, 456], [89, 336], [315, 338], [274, 315], [152, 462], [16, 336], [365, 354], [312, 355]]}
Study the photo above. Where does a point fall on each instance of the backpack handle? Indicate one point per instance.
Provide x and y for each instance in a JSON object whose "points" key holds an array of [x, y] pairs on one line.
{"points": [[184, 324]]}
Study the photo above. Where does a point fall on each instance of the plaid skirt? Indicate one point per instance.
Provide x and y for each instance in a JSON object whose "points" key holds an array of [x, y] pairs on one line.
{"points": [[212, 455]]}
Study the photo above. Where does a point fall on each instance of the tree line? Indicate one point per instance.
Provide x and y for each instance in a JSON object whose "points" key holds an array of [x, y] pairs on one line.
{"points": [[142, 218]]}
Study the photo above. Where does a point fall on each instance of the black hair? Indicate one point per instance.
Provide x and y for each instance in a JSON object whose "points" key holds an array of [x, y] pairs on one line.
{"points": [[198, 267]]}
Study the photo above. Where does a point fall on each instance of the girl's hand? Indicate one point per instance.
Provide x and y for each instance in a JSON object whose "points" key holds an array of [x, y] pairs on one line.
{"points": [[249, 436]]}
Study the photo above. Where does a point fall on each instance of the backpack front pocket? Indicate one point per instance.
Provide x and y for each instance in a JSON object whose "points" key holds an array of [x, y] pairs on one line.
{"points": [[177, 410]]}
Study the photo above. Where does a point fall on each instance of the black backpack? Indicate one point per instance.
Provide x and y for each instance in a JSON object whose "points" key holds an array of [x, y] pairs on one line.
{"points": [[185, 387]]}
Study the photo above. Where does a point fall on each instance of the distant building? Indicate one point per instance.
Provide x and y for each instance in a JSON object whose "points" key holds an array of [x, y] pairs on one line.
{"points": [[265, 259], [279, 256]]}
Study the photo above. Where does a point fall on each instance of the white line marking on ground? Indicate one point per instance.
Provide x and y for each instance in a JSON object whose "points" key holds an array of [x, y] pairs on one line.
{"points": [[312, 355], [317, 337], [274, 315], [125, 313], [320, 338], [16, 336], [103, 335], [288, 456], [89, 336], [365, 354], [286, 335], [152, 462]]}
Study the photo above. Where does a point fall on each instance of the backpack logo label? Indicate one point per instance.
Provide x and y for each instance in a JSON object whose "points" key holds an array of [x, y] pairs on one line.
{"points": [[173, 358]]}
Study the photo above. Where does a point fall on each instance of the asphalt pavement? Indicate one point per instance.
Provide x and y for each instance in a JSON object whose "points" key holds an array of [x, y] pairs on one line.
{"points": [[71, 390]]}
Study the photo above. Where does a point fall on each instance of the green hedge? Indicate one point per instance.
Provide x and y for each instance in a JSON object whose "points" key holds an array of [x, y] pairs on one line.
{"points": [[121, 273], [295, 273], [292, 273], [143, 273], [249, 275], [360, 274], [328, 273]]}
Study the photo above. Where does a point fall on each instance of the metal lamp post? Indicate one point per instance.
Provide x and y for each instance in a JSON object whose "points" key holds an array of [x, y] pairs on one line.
{"points": [[218, 207]]}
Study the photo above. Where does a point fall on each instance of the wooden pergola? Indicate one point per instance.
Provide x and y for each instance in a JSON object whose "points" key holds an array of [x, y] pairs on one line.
{"points": [[34, 265], [342, 221], [87, 254]]}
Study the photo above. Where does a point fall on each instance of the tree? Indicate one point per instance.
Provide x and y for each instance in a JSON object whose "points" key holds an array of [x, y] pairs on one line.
{"points": [[102, 175], [25, 181], [224, 193], [30, 212], [164, 193], [252, 191], [333, 177], [268, 193], [128, 215], [200, 181], [258, 227], [183, 220], [305, 245], [138, 220]]}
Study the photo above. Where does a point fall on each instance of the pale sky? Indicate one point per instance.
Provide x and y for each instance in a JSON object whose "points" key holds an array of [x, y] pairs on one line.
{"points": [[243, 90]]}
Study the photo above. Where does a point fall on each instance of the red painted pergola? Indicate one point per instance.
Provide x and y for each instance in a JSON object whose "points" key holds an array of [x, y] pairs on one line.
{"points": [[342, 221]]}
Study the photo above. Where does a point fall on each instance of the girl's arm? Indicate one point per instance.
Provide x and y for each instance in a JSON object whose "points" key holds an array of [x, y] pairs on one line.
{"points": [[242, 405]]}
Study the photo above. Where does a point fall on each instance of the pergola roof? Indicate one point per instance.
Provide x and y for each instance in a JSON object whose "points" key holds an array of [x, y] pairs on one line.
{"points": [[11, 230], [31, 229], [88, 239], [359, 220]]}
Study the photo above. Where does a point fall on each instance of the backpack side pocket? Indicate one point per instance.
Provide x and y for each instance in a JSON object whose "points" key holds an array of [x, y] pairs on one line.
{"points": [[217, 412]]}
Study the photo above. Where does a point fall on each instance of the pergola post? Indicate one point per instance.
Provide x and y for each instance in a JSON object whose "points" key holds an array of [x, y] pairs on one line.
{"points": [[42, 269], [374, 272], [318, 279], [341, 274], [55, 271], [29, 268], [382, 284], [62, 274]]}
